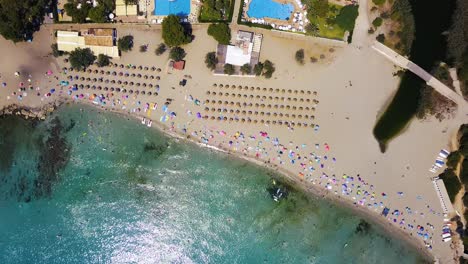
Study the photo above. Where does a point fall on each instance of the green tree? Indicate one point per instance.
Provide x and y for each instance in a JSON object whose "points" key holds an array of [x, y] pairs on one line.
{"points": [[220, 32], [347, 17], [211, 60], [98, 14], [268, 69], [78, 15], [246, 69], [312, 29], [319, 8], [160, 49], [81, 58], [19, 19], [55, 52], [377, 22], [177, 54], [125, 43], [229, 69], [173, 32], [451, 182], [380, 38], [378, 2], [300, 56], [103, 60], [258, 69]]}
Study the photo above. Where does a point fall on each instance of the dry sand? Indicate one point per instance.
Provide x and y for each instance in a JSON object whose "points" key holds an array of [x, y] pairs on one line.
{"points": [[352, 84]]}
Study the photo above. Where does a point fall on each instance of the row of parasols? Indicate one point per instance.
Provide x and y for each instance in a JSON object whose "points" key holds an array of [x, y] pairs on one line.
{"points": [[112, 89], [263, 97], [121, 66], [123, 74], [119, 82], [258, 121], [238, 105], [264, 89], [262, 113]]}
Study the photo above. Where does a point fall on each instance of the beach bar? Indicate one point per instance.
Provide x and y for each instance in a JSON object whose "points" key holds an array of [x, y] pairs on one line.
{"points": [[100, 41]]}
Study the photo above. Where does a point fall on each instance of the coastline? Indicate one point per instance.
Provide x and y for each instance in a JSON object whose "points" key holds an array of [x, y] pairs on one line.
{"points": [[283, 174]]}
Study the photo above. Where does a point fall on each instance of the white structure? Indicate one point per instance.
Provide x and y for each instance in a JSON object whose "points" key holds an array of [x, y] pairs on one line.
{"points": [[442, 194], [100, 41]]}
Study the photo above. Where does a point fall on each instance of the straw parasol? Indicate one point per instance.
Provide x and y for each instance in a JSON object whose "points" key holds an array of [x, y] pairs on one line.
{"points": [[301, 100], [221, 86], [214, 93], [220, 94], [124, 90], [118, 89], [220, 102], [213, 101], [150, 93], [244, 112], [295, 92], [146, 68], [231, 111], [112, 89], [130, 91], [212, 118], [294, 107], [158, 70], [283, 91], [158, 78], [137, 92]]}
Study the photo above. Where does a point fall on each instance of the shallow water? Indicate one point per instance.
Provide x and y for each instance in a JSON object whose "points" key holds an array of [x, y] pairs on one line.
{"points": [[128, 194]]}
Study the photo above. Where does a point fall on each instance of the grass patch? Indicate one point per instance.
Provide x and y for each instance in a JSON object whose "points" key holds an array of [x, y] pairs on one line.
{"points": [[209, 15], [327, 27]]}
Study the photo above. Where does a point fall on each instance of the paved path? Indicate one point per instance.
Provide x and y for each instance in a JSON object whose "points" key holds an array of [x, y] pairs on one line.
{"points": [[428, 78], [456, 82]]}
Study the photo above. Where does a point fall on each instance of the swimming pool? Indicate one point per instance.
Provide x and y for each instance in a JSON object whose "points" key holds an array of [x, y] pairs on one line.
{"points": [[269, 8], [172, 7]]}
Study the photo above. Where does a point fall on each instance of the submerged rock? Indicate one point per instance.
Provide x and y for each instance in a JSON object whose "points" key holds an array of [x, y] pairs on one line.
{"points": [[55, 153], [363, 227]]}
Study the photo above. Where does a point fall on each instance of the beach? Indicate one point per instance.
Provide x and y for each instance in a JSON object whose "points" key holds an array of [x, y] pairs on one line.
{"points": [[332, 154]]}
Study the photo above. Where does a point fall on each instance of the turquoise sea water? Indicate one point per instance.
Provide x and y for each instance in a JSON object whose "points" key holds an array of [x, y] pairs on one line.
{"points": [[105, 189]]}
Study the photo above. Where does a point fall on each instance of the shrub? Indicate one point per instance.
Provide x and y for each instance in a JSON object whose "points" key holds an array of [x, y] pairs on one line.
{"points": [[378, 2], [55, 52], [160, 49], [312, 29], [451, 182], [177, 53], [380, 38], [173, 32], [103, 60], [98, 14], [269, 69], [319, 8], [347, 17], [258, 68], [246, 68], [377, 22], [78, 15], [125, 43], [453, 159], [300, 56], [229, 69], [81, 58], [143, 48], [211, 60], [220, 32]]}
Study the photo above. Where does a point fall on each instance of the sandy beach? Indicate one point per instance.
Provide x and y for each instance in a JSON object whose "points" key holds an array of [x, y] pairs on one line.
{"points": [[332, 153]]}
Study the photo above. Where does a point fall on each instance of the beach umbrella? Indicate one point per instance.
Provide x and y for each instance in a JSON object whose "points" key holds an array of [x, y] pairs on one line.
{"points": [[133, 75], [158, 78], [146, 68], [52, 90], [159, 70]]}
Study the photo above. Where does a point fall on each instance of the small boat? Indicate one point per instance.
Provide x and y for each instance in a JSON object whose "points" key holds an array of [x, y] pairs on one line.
{"points": [[447, 239], [143, 121], [149, 123], [446, 235]]}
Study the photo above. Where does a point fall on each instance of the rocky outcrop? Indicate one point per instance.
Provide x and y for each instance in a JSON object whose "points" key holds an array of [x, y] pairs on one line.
{"points": [[28, 112]]}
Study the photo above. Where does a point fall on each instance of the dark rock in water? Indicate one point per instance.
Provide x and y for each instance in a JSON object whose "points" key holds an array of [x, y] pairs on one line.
{"points": [[363, 227], [71, 126], [157, 150], [55, 153]]}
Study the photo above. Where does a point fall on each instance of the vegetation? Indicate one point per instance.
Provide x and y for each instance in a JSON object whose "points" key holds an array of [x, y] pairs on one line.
{"points": [[268, 69], [377, 22], [229, 69], [125, 43], [258, 69], [103, 60], [378, 2], [98, 14], [211, 60], [346, 18], [433, 103], [55, 52], [177, 54], [457, 43], [160, 49], [380, 38], [220, 32], [173, 32], [216, 10], [402, 13], [81, 58], [451, 182], [20, 19], [143, 48], [453, 159], [300, 56], [246, 69], [329, 20]]}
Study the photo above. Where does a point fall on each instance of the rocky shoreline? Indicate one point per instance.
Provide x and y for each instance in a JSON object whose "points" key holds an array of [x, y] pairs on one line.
{"points": [[29, 113]]}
